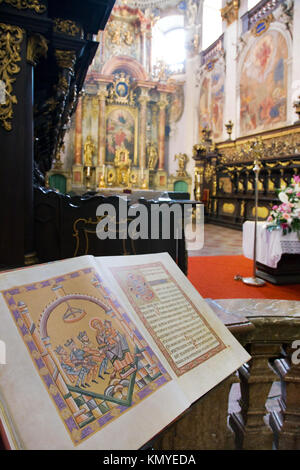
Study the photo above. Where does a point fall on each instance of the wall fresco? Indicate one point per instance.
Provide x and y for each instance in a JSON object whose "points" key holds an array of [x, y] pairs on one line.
{"points": [[263, 84]]}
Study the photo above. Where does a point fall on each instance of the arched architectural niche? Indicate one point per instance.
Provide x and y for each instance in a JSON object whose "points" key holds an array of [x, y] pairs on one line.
{"points": [[47, 312], [279, 28], [129, 65]]}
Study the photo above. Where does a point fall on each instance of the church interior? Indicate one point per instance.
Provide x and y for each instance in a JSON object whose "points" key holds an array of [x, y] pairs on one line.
{"points": [[189, 102]]}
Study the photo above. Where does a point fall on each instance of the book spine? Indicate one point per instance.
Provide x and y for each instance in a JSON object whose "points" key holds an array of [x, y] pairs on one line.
{"points": [[4, 442]]}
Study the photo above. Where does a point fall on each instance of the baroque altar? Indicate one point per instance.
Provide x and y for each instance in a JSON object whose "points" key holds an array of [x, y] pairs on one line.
{"points": [[123, 105]]}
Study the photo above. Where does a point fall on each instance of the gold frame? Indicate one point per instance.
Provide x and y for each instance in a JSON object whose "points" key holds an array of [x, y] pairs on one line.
{"points": [[134, 114]]}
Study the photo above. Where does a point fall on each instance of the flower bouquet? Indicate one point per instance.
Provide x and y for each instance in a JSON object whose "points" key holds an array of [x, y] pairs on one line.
{"points": [[286, 216]]}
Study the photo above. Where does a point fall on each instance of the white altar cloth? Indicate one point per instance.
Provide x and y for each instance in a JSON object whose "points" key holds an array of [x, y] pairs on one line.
{"points": [[270, 245]]}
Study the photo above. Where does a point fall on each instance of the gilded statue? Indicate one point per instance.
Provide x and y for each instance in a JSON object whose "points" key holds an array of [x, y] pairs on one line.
{"points": [[182, 161], [89, 149], [128, 38], [116, 36], [122, 164], [152, 156]]}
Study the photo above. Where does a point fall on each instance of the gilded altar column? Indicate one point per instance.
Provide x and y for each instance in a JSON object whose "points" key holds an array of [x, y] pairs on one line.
{"points": [[143, 100], [162, 104], [102, 94]]}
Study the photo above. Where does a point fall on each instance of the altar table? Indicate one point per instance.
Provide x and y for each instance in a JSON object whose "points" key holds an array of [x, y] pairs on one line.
{"points": [[277, 255]]}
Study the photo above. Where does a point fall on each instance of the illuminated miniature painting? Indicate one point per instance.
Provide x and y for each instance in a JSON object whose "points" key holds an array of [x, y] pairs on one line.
{"points": [[89, 354]]}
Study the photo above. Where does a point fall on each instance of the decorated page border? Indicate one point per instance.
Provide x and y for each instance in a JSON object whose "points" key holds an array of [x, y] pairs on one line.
{"points": [[67, 398]]}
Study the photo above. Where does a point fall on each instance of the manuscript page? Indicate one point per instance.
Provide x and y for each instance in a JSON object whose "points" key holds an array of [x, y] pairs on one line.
{"points": [[55, 394], [198, 350]]}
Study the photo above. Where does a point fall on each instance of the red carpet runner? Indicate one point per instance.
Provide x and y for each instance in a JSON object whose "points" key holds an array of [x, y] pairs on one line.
{"points": [[213, 277]]}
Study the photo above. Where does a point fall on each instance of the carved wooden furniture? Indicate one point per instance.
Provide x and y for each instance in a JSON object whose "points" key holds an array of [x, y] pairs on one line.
{"points": [[67, 226], [226, 171], [46, 48]]}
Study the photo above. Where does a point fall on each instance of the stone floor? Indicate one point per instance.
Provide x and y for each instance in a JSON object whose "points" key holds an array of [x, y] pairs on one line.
{"points": [[219, 241]]}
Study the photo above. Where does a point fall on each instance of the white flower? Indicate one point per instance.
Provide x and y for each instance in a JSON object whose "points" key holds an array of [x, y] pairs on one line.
{"points": [[283, 197]]}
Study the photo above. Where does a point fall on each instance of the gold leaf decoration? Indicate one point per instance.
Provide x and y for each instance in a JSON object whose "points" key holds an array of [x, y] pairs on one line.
{"points": [[67, 27], [24, 4], [10, 45]]}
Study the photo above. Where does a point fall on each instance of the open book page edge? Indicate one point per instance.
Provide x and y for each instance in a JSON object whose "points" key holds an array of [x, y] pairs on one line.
{"points": [[8, 430], [203, 377], [19, 381]]}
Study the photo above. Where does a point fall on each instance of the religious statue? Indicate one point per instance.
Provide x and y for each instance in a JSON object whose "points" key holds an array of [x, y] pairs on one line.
{"points": [[160, 71], [89, 149], [152, 156], [122, 164], [128, 38], [182, 161], [116, 36], [191, 12]]}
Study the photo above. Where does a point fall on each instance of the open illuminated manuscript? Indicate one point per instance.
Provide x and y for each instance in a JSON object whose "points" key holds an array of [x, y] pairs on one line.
{"points": [[103, 353]]}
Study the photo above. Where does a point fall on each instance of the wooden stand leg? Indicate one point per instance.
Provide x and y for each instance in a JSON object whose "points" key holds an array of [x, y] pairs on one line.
{"points": [[286, 424], [251, 429], [204, 425]]}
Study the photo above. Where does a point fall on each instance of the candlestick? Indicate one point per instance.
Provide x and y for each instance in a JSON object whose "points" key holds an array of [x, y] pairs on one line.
{"points": [[255, 281]]}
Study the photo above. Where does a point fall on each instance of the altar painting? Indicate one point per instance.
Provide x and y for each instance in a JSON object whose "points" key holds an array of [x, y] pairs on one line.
{"points": [[263, 84], [121, 130]]}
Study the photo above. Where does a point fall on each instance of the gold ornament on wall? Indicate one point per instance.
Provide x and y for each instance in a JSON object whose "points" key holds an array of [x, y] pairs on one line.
{"points": [[262, 25], [37, 47], [65, 59], [284, 143], [111, 176], [208, 172], [10, 46], [128, 38], [67, 27], [120, 91], [230, 12], [121, 35], [26, 4]]}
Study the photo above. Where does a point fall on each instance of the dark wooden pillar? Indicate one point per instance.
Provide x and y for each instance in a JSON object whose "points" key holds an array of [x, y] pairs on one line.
{"points": [[21, 43], [16, 148], [45, 51]]}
